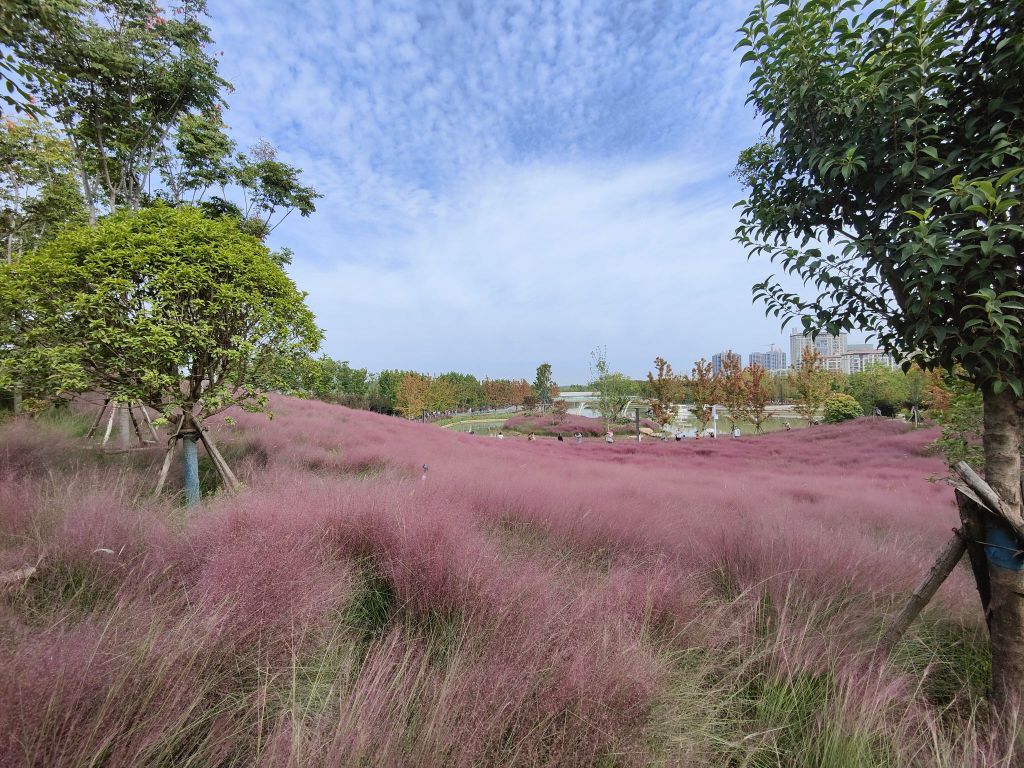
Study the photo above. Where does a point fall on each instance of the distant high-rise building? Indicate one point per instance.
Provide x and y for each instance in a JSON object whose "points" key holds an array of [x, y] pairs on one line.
{"points": [[826, 344], [772, 360], [861, 356], [719, 357]]}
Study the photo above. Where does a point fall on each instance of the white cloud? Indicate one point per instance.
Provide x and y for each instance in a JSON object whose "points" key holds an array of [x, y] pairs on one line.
{"points": [[507, 181], [543, 263]]}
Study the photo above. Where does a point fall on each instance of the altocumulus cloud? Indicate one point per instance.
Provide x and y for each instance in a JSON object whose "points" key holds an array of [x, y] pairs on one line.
{"points": [[507, 182]]}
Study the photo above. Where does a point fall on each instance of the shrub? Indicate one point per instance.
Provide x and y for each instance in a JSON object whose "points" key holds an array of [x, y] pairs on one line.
{"points": [[840, 407]]}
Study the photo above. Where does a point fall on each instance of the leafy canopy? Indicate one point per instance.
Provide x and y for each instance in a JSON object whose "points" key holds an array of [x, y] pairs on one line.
{"points": [[890, 174], [841, 407], [163, 305]]}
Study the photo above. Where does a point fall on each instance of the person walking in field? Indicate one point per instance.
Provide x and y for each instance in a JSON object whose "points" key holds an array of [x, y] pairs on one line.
{"points": [[501, 436], [531, 438], [608, 437], [579, 438]]}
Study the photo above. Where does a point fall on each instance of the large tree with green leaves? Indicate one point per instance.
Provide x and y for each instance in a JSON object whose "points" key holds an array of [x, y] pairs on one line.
{"points": [[121, 76], [166, 306], [543, 383], [163, 305], [889, 179]]}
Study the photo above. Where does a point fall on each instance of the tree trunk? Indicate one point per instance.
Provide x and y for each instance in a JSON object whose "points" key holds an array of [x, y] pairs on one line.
{"points": [[124, 426], [1002, 444], [191, 468]]}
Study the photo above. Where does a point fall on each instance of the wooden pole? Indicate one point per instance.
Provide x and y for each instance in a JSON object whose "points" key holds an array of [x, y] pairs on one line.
{"points": [[990, 498], [218, 461], [972, 517], [110, 424], [149, 423], [99, 418], [941, 568], [135, 424], [124, 426], [166, 465], [167, 457]]}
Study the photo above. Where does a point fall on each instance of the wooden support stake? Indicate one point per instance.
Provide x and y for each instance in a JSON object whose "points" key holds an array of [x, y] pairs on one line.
{"points": [[171, 442], [990, 498], [135, 424], [943, 566], [972, 516], [218, 461], [149, 423], [110, 424], [99, 418], [166, 465]]}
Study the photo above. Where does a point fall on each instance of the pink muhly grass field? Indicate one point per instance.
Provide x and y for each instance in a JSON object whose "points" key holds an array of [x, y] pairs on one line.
{"points": [[538, 604]]}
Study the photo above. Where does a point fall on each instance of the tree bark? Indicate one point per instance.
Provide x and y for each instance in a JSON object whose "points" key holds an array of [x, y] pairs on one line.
{"points": [[1002, 444]]}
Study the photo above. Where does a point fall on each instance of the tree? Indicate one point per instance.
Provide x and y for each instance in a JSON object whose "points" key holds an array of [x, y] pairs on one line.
{"points": [[442, 394], [21, 21], [38, 191], [123, 76], [384, 390], [164, 306], [519, 390], [665, 390], [878, 386], [704, 391], [614, 390], [412, 394], [812, 385], [559, 411], [732, 388], [889, 180], [841, 407], [757, 396], [542, 384], [498, 392]]}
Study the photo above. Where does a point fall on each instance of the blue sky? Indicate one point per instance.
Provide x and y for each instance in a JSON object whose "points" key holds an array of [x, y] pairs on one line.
{"points": [[507, 183]]}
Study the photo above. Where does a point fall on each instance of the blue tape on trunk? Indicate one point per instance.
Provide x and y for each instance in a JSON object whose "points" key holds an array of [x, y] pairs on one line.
{"points": [[1003, 549]]}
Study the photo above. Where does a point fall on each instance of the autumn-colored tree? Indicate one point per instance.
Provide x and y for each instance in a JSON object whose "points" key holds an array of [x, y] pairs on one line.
{"points": [[495, 393], [521, 389], [411, 398], [732, 389], [812, 384], [665, 390], [559, 411], [703, 386], [758, 395]]}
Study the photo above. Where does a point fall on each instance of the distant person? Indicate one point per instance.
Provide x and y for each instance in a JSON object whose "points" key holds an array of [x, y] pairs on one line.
{"points": [[471, 431], [560, 439], [501, 436], [786, 426], [608, 437], [736, 433], [531, 438], [878, 412], [678, 437], [579, 438]]}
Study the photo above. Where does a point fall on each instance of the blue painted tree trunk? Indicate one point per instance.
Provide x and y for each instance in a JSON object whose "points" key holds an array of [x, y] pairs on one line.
{"points": [[191, 470]]}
